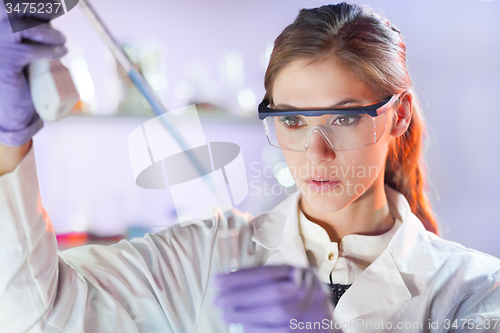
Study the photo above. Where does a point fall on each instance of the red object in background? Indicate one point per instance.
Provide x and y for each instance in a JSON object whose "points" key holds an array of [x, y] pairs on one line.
{"points": [[74, 239]]}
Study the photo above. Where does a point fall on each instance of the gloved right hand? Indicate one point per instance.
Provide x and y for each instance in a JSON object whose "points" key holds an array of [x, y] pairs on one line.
{"points": [[275, 299], [18, 119]]}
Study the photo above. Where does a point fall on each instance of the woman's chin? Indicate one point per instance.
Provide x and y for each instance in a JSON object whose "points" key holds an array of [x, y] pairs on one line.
{"points": [[325, 202]]}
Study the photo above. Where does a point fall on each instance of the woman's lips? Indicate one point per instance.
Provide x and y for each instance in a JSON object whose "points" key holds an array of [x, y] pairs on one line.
{"points": [[322, 186]]}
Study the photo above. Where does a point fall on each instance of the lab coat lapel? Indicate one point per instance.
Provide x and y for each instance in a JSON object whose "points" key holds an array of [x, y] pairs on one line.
{"points": [[378, 287], [381, 284], [410, 246], [278, 231]]}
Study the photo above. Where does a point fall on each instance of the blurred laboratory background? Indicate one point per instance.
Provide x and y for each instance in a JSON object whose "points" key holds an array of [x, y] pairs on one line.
{"points": [[213, 53]]}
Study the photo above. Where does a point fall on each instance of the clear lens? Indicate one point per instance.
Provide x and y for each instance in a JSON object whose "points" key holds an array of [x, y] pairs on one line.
{"points": [[340, 132]]}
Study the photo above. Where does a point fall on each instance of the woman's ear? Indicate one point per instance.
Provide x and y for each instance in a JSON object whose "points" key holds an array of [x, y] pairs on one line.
{"points": [[402, 118]]}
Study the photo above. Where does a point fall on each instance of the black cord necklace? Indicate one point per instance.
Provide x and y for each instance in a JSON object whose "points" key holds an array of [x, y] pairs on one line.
{"points": [[338, 290]]}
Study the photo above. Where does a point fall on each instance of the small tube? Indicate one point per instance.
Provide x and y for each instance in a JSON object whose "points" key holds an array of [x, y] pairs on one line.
{"points": [[228, 240], [228, 245]]}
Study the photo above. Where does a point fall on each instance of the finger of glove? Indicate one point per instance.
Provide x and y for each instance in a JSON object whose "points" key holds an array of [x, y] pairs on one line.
{"points": [[18, 138], [252, 276], [262, 294], [316, 310], [264, 315], [315, 291], [16, 105], [44, 34], [286, 328], [19, 55]]}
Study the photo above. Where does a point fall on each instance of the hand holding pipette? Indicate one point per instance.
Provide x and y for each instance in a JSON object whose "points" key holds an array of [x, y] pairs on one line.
{"points": [[18, 119]]}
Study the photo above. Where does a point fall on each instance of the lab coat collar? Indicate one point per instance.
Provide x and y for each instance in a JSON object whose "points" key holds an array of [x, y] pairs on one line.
{"points": [[281, 225], [381, 284], [278, 231], [410, 246]]}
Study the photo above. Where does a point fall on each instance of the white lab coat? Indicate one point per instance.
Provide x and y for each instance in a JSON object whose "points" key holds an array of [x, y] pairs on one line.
{"points": [[163, 282]]}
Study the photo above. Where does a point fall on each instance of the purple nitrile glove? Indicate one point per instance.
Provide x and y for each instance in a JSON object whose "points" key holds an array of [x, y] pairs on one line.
{"points": [[275, 299], [18, 119]]}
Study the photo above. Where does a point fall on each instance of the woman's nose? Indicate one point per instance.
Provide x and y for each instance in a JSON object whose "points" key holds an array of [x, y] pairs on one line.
{"points": [[318, 149]]}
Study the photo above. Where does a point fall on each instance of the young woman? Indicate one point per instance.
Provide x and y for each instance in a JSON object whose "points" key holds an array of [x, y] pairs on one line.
{"points": [[339, 105]]}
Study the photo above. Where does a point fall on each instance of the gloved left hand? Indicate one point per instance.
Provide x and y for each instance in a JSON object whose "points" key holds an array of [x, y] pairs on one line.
{"points": [[275, 299], [18, 119]]}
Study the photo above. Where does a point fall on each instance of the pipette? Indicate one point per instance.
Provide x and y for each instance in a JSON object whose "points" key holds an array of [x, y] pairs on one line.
{"points": [[52, 89]]}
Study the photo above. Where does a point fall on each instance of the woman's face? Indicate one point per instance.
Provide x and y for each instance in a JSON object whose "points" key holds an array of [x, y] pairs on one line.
{"points": [[322, 85]]}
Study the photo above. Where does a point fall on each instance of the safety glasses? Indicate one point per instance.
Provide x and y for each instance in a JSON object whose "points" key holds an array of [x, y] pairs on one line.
{"points": [[341, 128]]}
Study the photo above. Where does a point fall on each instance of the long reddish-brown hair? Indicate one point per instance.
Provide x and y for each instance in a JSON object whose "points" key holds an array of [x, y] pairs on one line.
{"points": [[373, 50]]}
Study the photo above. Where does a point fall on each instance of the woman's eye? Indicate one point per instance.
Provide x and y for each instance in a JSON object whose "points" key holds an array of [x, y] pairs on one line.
{"points": [[346, 120], [291, 121]]}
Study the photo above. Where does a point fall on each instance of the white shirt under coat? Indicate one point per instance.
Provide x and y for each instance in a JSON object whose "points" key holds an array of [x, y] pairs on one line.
{"points": [[346, 260]]}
